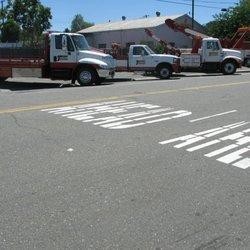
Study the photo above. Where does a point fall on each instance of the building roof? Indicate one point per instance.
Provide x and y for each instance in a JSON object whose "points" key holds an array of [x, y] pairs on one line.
{"points": [[149, 22]]}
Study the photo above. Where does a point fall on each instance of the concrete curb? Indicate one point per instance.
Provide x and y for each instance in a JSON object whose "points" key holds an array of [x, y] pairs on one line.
{"points": [[208, 74], [185, 74]]}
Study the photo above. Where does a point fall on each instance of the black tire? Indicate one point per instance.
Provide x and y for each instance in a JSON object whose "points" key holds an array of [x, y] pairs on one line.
{"points": [[86, 76], [164, 71], [247, 62], [99, 80], [3, 79], [229, 67]]}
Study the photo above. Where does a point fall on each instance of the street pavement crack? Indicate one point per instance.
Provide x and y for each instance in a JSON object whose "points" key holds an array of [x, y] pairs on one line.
{"points": [[24, 126], [27, 128]]}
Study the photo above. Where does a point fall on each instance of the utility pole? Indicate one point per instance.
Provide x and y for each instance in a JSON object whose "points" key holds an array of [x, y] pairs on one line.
{"points": [[192, 20], [192, 14]]}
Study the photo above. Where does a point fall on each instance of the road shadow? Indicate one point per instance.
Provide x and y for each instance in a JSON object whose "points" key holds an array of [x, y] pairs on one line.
{"points": [[27, 86], [23, 86], [206, 75], [33, 85]]}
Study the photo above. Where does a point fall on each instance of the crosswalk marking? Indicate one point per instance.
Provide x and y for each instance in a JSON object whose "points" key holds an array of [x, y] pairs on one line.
{"points": [[119, 114], [233, 156], [204, 145], [221, 150], [189, 142], [211, 116], [244, 164], [241, 144]]}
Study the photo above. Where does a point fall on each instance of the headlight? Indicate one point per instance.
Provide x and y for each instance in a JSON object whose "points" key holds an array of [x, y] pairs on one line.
{"points": [[103, 66], [175, 60], [107, 57]]}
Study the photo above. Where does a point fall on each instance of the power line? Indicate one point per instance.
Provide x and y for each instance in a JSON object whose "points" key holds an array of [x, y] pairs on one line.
{"points": [[187, 4], [221, 2]]}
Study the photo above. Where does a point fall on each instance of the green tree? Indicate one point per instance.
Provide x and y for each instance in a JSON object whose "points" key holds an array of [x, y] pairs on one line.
{"points": [[10, 31], [159, 49], [33, 18], [226, 23], [4, 13], [78, 23], [67, 30]]}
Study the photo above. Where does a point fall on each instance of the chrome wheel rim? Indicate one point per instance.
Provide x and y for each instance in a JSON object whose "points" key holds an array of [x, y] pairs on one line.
{"points": [[229, 68], [85, 77], [164, 72]]}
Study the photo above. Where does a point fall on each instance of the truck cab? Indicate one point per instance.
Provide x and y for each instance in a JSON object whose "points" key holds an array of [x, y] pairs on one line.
{"points": [[214, 55], [64, 56], [72, 58]]}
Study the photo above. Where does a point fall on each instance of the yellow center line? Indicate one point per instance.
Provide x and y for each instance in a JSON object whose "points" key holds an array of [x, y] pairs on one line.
{"points": [[111, 98]]}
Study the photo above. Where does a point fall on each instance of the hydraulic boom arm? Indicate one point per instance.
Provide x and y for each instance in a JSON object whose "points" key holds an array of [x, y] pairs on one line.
{"points": [[168, 48], [196, 36]]}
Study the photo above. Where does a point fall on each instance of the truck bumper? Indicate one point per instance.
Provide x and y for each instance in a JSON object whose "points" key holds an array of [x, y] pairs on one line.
{"points": [[106, 73], [239, 63], [176, 67]]}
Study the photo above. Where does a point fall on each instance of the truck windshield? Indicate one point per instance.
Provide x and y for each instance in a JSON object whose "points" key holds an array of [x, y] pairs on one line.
{"points": [[150, 50], [80, 42]]}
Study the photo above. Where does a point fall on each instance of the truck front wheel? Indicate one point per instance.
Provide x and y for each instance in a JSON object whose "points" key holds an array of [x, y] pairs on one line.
{"points": [[247, 62], [229, 68], [164, 71], [86, 76]]}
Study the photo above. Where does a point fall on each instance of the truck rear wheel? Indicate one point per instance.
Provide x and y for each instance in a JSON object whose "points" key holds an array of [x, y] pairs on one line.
{"points": [[86, 76], [164, 71], [229, 68], [99, 80]]}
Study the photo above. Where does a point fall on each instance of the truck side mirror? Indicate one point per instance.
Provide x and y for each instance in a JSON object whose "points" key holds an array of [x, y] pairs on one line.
{"points": [[143, 53], [64, 43]]}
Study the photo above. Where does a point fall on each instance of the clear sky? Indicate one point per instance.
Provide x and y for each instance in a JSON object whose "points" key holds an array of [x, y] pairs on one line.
{"points": [[99, 11]]}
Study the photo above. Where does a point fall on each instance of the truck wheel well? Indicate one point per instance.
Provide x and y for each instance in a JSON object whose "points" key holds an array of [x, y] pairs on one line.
{"points": [[85, 66], [163, 64], [231, 60], [164, 70]]}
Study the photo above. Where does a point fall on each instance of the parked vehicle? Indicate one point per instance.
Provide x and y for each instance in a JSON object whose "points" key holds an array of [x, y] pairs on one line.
{"points": [[212, 57], [64, 56], [142, 58], [207, 52]]}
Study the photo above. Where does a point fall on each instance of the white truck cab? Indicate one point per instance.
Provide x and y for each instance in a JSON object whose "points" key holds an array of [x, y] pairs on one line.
{"points": [[142, 58], [71, 54], [212, 56]]}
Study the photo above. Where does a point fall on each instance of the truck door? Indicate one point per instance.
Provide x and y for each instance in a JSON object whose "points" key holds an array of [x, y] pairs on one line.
{"points": [[140, 59], [63, 51], [211, 51]]}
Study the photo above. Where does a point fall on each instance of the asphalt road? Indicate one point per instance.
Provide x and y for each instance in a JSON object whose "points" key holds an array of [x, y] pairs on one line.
{"points": [[126, 165]]}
